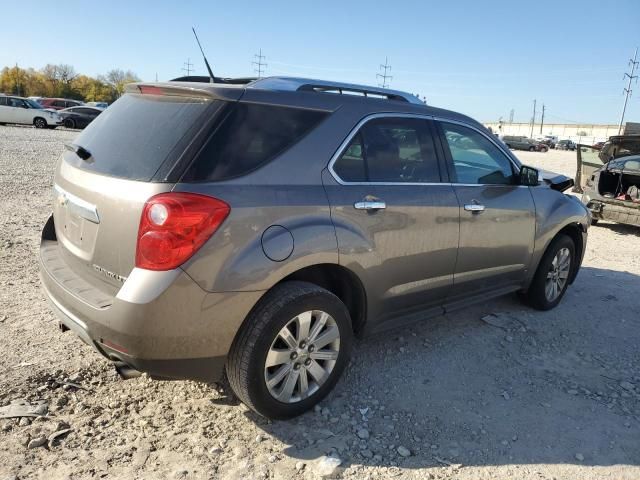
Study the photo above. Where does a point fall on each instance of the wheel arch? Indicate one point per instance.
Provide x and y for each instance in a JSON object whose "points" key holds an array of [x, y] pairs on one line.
{"points": [[573, 231], [340, 281]]}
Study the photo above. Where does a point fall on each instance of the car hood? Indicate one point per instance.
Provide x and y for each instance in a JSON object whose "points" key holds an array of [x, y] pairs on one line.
{"points": [[555, 181]]}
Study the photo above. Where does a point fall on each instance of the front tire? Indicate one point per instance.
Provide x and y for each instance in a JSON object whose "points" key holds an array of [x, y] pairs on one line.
{"points": [[39, 122], [553, 274], [291, 350], [69, 123], [532, 149]]}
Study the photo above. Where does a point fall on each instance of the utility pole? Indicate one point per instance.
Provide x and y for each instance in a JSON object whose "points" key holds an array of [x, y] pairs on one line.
{"points": [[259, 64], [511, 115], [627, 91], [156, 77], [542, 119], [188, 67], [384, 76], [533, 119]]}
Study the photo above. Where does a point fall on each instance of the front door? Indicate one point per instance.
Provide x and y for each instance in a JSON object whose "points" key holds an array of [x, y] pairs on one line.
{"points": [[497, 215], [396, 222]]}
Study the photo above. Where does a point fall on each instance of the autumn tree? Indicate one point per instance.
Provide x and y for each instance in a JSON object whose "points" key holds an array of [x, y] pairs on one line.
{"points": [[63, 81], [117, 79]]}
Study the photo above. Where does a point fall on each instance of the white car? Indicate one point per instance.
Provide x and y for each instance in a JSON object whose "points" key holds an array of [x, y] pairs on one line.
{"points": [[27, 112]]}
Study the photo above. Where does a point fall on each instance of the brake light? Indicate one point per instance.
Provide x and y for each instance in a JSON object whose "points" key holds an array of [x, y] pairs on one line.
{"points": [[173, 226], [149, 90]]}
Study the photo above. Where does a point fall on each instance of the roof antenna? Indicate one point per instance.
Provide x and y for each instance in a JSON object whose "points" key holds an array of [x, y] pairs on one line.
{"points": [[212, 78]]}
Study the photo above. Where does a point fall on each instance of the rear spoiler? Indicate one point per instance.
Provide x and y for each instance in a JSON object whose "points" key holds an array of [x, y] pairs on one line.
{"points": [[187, 89]]}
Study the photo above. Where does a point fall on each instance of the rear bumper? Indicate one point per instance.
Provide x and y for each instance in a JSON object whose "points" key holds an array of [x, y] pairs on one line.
{"points": [[163, 324], [613, 210]]}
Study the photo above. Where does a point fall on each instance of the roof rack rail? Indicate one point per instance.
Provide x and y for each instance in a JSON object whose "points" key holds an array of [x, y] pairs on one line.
{"points": [[203, 79], [324, 86]]}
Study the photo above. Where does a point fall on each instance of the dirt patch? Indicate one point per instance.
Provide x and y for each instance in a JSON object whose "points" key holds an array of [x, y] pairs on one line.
{"points": [[522, 394]]}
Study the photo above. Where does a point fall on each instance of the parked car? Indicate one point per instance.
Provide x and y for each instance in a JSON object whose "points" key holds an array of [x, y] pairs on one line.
{"points": [[598, 145], [35, 99], [611, 176], [613, 191], [566, 145], [59, 103], [102, 105], [524, 143], [203, 228], [79, 117], [549, 140], [27, 112]]}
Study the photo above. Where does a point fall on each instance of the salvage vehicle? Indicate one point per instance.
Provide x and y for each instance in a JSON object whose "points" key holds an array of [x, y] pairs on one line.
{"points": [[252, 229], [25, 111], [79, 117], [566, 145], [525, 143], [59, 103], [612, 191]]}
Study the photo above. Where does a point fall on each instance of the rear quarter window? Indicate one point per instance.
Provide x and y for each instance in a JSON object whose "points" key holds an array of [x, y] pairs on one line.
{"points": [[135, 136], [249, 137]]}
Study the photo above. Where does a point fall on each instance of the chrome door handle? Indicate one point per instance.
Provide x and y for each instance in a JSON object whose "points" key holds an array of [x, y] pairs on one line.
{"points": [[370, 205], [474, 207]]}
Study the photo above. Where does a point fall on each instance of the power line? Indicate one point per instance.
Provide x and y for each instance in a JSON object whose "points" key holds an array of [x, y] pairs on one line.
{"points": [[188, 67], [384, 76], [533, 119], [259, 63], [627, 91]]}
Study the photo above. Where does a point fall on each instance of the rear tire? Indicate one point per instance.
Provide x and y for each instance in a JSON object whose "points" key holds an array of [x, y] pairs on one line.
{"points": [[39, 122], [260, 354], [556, 266]]}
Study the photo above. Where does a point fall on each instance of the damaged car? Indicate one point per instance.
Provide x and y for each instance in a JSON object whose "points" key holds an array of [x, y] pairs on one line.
{"points": [[612, 191]]}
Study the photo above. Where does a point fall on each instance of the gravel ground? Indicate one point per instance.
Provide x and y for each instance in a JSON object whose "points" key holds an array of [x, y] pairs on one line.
{"points": [[522, 394]]}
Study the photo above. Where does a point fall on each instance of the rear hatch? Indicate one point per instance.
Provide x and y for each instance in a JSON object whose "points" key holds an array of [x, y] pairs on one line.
{"points": [[132, 151]]}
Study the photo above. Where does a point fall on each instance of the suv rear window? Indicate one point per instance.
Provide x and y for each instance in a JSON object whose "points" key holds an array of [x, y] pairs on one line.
{"points": [[138, 133], [250, 136]]}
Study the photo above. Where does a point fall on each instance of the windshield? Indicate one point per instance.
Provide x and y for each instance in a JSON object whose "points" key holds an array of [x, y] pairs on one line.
{"points": [[33, 103]]}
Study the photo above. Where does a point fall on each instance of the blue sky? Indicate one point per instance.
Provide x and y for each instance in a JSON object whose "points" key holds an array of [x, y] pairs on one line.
{"points": [[479, 58]]}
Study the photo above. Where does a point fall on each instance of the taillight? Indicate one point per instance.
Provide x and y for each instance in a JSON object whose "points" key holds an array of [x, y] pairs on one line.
{"points": [[174, 226]]}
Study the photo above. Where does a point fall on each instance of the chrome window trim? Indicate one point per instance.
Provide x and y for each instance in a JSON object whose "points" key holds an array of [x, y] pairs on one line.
{"points": [[341, 149], [355, 131]]}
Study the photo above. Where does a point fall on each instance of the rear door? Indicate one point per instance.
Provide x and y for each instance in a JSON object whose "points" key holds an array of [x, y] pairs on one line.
{"points": [[396, 220], [497, 216], [19, 111], [110, 170]]}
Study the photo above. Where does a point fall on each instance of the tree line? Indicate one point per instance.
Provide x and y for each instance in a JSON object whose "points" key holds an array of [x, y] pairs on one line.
{"points": [[63, 81]]}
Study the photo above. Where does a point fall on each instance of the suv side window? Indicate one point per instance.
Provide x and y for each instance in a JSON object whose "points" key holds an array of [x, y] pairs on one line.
{"points": [[15, 102], [476, 160], [249, 137], [3, 101], [390, 150]]}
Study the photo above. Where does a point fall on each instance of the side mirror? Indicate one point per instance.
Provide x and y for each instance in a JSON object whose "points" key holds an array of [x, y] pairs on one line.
{"points": [[529, 176]]}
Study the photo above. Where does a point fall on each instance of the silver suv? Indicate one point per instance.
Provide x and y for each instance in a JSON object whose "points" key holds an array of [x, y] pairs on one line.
{"points": [[253, 229]]}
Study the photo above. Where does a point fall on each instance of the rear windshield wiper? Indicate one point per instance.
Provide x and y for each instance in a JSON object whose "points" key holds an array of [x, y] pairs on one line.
{"points": [[81, 152]]}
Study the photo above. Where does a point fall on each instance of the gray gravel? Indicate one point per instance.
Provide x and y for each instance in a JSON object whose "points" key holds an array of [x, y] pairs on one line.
{"points": [[522, 394]]}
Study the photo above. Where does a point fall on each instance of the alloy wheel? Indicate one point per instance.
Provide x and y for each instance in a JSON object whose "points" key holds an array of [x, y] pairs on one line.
{"points": [[302, 356], [558, 274]]}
